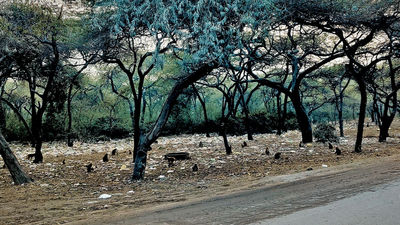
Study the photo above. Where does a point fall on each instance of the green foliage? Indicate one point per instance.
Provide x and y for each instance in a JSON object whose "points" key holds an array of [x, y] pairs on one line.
{"points": [[325, 132]]}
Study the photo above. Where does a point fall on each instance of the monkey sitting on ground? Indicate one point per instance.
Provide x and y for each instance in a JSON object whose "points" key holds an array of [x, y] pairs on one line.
{"points": [[338, 151], [171, 161], [330, 146], [195, 168], [267, 152], [89, 168], [278, 155], [114, 152], [31, 156], [244, 144], [63, 162], [105, 158]]}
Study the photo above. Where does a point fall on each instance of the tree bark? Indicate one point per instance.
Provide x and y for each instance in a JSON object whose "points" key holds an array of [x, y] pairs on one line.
{"points": [[302, 118], [363, 109], [17, 174]]}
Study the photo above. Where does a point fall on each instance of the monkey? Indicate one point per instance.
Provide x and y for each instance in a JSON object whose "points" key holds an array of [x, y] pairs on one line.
{"points": [[105, 158], [89, 168], [63, 162], [244, 144], [201, 144], [330, 146], [278, 155], [267, 152], [195, 168], [114, 152], [170, 161], [338, 151], [31, 156]]}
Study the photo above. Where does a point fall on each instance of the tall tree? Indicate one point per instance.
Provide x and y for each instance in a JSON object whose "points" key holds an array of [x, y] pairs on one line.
{"points": [[357, 25], [38, 55], [202, 35]]}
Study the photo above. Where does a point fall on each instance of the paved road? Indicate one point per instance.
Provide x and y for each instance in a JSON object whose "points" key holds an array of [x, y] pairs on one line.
{"points": [[343, 195], [378, 206]]}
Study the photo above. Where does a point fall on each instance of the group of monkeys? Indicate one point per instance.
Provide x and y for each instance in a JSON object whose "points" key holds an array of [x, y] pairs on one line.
{"points": [[105, 159], [195, 168]]}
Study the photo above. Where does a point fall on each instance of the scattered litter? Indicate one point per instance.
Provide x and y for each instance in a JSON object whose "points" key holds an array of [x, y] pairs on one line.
{"points": [[105, 196], [123, 167], [324, 166], [130, 192], [161, 177]]}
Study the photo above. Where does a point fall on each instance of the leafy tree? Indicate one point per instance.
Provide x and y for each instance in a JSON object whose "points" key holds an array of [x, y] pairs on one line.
{"points": [[202, 35], [356, 24]]}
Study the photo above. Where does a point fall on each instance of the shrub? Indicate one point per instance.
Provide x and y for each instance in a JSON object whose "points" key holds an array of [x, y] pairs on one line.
{"points": [[325, 132]]}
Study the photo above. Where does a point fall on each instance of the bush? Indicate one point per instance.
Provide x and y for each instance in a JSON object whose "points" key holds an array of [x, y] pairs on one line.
{"points": [[325, 132]]}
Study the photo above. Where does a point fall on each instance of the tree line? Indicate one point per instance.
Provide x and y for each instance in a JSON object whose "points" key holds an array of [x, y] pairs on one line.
{"points": [[305, 54]]}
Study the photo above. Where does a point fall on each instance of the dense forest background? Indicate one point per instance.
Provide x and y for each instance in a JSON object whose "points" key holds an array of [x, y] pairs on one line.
{"points": [[100, 70]]}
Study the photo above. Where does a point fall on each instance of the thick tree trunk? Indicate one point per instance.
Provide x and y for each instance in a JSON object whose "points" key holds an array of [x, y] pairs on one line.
{"points": [[17, 174], [302, 119], [37, 133], [363, 109], [141, 159]]}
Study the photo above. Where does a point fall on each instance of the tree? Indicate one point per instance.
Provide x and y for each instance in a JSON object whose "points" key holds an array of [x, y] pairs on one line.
{"points": [[201, 35], [37, 52], [284, 58], [356, 24]]}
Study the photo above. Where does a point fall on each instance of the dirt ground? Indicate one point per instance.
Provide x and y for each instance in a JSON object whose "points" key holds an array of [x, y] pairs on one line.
{"points": [[64, 193]]}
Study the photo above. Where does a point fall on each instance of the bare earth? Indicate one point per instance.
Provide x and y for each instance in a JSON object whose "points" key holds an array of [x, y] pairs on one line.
{"points": [[66, 193]]}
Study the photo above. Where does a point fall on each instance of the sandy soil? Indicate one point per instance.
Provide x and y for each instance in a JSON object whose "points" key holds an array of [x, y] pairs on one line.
{"points": [[64, 193]]}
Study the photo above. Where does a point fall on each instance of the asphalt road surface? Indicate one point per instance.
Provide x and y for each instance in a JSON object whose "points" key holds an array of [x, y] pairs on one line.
{"points": [[360, 194]]}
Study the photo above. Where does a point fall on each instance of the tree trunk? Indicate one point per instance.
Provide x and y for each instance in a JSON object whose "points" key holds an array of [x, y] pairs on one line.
{"points": [[246, 114], [228, 148], [363, 109], [140, 159], [302, 119], [70, 141], [38, 134], [279, 111], [341, 110], [146, 141], [203, 105], [17, 174]]}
